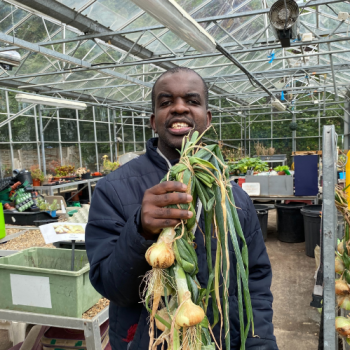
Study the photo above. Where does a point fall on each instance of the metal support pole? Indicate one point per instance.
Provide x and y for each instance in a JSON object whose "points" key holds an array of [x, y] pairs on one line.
{"points": [[115, 135], [294, 134], [245, 135], [329, 220], [333, 73], [42, 139], [346, 125]]}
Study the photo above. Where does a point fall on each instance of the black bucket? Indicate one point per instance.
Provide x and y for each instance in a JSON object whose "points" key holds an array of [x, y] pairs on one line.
{"points": [[262, 212], [312, 226], [259, 207], [263, 217], [290, 223]]}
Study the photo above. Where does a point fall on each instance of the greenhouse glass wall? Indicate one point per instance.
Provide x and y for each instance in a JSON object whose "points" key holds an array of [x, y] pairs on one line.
{"points": [[82, 138]]}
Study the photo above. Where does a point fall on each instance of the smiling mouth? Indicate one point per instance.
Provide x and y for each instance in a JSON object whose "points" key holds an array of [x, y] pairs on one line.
{"points": [[179, 126]]}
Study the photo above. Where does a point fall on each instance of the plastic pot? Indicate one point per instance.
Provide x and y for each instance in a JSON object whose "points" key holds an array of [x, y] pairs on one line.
{"points": [[290, 222], [312, 227], [263, 216], [36, 182]]}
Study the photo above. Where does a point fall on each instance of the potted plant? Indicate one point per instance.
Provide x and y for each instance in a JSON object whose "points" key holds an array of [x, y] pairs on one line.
{"points": [[282, 170], [109, 166], [64, 171], [53, 207], [250, 164], [42, 204], [83, 173], [37, 175], [47, 179], [261, 167]]}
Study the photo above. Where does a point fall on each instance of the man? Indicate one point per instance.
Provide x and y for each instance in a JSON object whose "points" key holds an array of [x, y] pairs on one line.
{"points": [[128, 212]]}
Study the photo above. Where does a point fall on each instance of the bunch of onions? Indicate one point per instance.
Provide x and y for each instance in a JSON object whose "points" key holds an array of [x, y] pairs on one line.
{"points": [[342, 267], [176, 301]]}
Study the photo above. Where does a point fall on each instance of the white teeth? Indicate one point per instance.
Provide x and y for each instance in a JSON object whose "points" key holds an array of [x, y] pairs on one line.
{"points": [[179, 125]]}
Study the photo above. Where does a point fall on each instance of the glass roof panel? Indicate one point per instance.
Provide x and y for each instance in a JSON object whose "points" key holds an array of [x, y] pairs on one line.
{"points": [[10, 16], [33, 29], [113, 14], [124, 14], [217, 7], [74, 4]]}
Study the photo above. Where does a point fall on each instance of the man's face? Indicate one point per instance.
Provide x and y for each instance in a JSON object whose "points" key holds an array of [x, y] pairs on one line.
{"points": [[179, 108]]}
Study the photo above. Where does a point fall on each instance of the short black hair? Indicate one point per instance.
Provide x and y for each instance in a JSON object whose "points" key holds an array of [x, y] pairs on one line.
{"points": [[176, 70]]}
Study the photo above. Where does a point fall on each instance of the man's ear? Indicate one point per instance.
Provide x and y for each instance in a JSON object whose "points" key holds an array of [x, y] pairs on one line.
{"points": [[153, 122], [209, 118]]}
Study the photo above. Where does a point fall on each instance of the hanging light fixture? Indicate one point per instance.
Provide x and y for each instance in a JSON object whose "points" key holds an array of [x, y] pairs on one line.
{"points": [[50, 101], [284, 21], [174, 17]]}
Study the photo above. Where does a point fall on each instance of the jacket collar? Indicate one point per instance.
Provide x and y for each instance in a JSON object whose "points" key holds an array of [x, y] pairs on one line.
{"points": [[155, 156]]}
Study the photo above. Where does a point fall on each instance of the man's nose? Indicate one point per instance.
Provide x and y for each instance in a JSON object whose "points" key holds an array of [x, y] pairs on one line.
{"points": [[179, 106]]}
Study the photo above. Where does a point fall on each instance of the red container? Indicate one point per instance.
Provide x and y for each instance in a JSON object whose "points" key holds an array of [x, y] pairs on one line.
{"points": [[241, 181], [36, 182]]}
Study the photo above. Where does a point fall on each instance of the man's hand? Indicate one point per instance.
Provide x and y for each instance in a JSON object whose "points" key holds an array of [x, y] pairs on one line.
{"points": [[154, 215]]}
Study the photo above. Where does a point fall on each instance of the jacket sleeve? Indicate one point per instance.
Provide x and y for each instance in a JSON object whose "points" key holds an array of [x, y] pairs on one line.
{"points": [[115, 248], [260, 277]]}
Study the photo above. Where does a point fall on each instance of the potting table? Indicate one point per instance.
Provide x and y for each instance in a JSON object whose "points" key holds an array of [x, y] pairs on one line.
{"points": [[287, 198], [51, 189], [91, 327]]}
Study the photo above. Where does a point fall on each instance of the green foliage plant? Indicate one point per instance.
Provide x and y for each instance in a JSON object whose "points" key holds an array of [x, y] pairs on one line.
{"points": [[53, 206], [284, 168], [109, 166], [64, 170], [36, 173], [255, 164]]}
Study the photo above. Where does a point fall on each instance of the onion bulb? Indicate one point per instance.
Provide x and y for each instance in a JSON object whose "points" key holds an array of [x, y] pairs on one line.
{"points": [[341, 287], [343, 302], [160, 255], [339, 265], [163, 313], [189, 314], [341, 248], [342, 326]]}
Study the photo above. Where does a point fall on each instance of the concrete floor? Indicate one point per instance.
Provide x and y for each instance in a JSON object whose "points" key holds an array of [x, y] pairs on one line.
{"points": [[296, 323]]}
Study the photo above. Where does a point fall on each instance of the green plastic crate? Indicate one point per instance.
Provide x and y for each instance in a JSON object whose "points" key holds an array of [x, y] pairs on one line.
{"points": [[40, 280]]}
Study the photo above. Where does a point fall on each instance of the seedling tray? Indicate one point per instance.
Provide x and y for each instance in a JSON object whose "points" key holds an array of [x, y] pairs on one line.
{"points": [[39, 280]]}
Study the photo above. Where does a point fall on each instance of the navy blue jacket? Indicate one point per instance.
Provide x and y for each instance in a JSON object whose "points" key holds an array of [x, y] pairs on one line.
{"points": [[116, 253]]}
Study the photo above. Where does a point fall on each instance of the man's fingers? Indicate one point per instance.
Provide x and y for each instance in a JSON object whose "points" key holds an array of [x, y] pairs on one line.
{"points": [[168, 186], [166, 199], [159, 224], [168, 213]]}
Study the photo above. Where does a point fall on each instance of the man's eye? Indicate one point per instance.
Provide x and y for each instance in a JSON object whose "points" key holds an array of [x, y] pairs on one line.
{"points": [[164, 103], [193, 102]]}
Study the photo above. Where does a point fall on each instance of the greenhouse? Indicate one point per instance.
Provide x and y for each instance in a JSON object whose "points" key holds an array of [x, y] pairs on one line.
{"points": [[267, 113]]}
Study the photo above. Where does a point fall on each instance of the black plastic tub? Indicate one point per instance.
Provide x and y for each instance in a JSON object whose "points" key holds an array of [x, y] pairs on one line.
{"points": [[263, 218], [290, 222], [26, 219], [312, 227], [262, 207]]}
